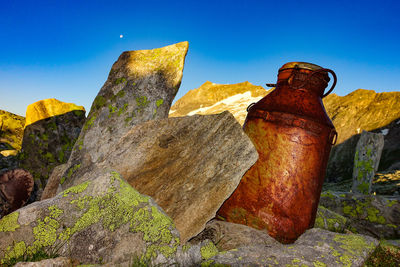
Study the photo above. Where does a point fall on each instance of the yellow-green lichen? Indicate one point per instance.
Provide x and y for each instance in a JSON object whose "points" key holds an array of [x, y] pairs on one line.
{"points": [[353, 245], [89, 122], [390, 203], [13, 252], [327, 194], [9, 222], [120, 80], [76, 189], [98, 102], [159, 102], [208, 250]]}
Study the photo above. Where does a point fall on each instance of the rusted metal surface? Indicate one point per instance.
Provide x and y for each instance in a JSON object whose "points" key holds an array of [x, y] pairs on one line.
{"points": [[293, 136]]}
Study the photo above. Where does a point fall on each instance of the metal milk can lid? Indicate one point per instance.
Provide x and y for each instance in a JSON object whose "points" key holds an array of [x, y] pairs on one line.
{"points": [[300, 65]]}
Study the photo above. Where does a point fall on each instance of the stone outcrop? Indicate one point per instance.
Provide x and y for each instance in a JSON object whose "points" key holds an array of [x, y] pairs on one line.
{"points": [[376, 216], [140, 87], [11, 130], [366, 161], [15, 189], [51, 130], [101, 220], [245, 246], [189, 165], [212, 98]]}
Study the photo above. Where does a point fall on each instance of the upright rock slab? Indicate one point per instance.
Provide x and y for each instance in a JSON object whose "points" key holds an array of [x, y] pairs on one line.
{"points": [[188, 165], [140, 87], [103, 220], [366, 161], [51, 130]]}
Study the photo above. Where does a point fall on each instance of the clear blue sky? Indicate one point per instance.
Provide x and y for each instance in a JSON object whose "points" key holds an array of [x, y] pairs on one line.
{"points": [[65, 49]]}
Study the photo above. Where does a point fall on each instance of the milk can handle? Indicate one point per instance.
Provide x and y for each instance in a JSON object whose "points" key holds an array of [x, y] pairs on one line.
{"points": [[334, 80]]}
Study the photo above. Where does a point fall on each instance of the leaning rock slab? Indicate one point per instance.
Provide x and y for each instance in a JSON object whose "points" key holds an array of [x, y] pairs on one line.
{"points": [[140, 87], [188, 165], [101, 220], [316, 247], [366, 161], [51, 130], [376, 216]]}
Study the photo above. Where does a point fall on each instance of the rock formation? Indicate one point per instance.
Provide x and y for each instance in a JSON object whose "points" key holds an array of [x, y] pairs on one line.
{"points": [[245, 246], [101, 220], [140, 87], [366, 161], [189, 165], [51, 130], [376, 216]]}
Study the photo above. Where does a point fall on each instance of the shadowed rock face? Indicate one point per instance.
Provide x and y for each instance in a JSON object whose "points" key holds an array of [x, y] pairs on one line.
{"points": [[48, 142], [140, 87], [15, 188]]}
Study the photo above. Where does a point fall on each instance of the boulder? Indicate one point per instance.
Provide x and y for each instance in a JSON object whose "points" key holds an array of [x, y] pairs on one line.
{"points": [[240, 245], [103, 220], [140, 87], [15, 189], [372, 215], [51, 130], [366, 161], [188, 165]]}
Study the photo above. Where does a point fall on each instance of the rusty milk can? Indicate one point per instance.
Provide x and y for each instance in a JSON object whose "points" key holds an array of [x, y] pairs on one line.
{"points": [[293, 136]]}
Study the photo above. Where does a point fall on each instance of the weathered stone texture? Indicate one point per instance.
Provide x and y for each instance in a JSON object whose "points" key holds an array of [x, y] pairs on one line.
{"points": [[189, 165], [366, 161], [245, 246], [376, 216], [101, 220]]}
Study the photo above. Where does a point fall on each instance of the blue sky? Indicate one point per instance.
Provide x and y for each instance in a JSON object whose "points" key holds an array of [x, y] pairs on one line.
{"points": [[65, 49]]}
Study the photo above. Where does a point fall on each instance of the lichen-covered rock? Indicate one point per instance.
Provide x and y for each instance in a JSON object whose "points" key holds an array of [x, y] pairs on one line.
{"points": [[188, 165], [15, 189], [11, 130], [366, 161], [331, 221], [372, 215], [103, 220], [140, 87], [240, 245], [51, 130]]}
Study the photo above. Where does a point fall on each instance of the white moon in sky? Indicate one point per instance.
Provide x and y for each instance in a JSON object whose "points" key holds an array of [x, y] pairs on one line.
{"points": [[121, 36]]}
